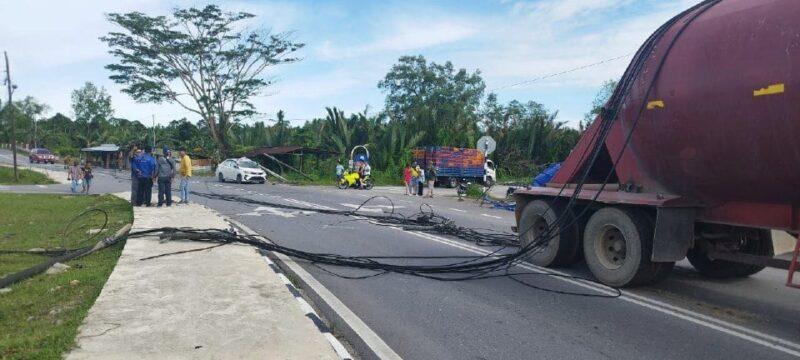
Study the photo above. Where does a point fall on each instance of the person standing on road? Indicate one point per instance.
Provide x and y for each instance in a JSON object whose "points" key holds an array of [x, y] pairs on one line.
{"points": [[145, 167], [407, 177], [135, 151], [87, 177], [431, 173], [421, 181], [339, 171], [74, 175], [186, 174], [412, 185], [165, 171]]}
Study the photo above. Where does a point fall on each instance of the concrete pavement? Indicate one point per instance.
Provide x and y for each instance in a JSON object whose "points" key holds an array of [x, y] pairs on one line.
{"points": [[215, 304]]}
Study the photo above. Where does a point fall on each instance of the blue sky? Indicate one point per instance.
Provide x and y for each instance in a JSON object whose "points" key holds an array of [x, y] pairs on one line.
{"points": [[350, 45]]}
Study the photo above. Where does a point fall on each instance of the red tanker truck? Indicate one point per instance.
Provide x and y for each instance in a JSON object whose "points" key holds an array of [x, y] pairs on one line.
{"points": [[696, 155]]}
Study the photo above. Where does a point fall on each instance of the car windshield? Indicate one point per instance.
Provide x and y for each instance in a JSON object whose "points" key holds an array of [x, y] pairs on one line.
{"points": [[44, 152], [250, 164]]}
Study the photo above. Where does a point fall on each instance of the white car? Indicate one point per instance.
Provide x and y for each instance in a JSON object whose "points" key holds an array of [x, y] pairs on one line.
{"points": [[241, 170]]}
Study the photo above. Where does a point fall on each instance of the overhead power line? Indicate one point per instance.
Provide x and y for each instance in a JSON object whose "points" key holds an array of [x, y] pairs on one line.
{"points": [[561, 72]]}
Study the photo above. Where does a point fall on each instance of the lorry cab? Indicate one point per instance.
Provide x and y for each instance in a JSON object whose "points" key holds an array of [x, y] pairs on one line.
{"points": [[489, 176]]}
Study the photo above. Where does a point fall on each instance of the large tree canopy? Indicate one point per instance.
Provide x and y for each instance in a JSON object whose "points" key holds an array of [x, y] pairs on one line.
{"points": [[92, 108], [201, 59], [434, 98]]}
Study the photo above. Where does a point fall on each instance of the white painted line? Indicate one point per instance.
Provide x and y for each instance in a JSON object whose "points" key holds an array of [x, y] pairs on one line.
{"points": [[337, 346], [307, 309], [41, 186], [492, 216], [363, 208], [459, 210], [284, 279], [308, 204], [741, 332]]}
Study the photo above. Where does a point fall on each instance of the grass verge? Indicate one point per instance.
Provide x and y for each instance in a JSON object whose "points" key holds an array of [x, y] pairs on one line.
{"points": [[39, 318], [26, 177]]}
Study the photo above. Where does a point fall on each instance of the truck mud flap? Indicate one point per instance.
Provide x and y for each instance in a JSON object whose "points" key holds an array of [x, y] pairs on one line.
{"points": [[674, 234]]}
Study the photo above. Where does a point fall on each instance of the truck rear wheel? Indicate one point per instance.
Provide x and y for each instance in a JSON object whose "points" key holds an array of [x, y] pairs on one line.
{"points": [[618, 245], [562, 243], [748, 241]]}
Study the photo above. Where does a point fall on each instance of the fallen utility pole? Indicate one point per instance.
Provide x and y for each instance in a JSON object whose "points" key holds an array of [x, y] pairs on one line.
{"points": [[13, 121], [287, 165], [36, 269], [268, 171]]}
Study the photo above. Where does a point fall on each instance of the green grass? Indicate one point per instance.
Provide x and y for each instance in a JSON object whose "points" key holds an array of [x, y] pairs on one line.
{"points": [[39, 318], [26, 177]]}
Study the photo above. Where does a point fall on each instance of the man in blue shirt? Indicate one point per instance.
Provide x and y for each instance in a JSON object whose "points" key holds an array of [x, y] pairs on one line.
{"points": [[143, 166]]}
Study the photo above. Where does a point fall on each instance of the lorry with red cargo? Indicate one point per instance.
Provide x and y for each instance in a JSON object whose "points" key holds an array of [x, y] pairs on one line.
{"points": [[696, 154], [455, 165]]}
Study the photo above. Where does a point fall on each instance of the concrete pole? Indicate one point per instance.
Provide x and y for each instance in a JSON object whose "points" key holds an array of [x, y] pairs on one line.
{"points": [[13, 121]]}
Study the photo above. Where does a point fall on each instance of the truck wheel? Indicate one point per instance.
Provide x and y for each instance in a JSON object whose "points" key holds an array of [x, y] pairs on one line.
{"points": [[489, 181], [618, 245], [560, 246], [753, 242], [220, 177], [452, 182]]}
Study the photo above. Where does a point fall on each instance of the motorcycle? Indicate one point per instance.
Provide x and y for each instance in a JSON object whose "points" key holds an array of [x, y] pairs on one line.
{"points": [[351, 179]]}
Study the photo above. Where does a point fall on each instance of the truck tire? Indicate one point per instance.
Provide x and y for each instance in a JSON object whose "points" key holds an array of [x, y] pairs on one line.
{"points": [[220, 177], [562, 247], [753, 242], [618, 245]]}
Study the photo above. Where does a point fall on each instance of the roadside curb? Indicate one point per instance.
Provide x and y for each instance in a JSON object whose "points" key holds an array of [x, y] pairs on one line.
{"points": [[310, 313], [366, 343]]}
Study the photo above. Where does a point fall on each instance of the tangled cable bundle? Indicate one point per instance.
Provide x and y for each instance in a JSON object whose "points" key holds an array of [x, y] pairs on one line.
{"points": [[426, 220]]}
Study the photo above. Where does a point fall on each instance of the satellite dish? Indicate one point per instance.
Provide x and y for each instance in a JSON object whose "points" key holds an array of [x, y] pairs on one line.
{"points": [[486, 145]]}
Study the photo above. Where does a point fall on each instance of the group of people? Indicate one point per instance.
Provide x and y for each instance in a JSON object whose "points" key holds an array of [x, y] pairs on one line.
{"points": [[161, 169], [415, 179], [80, 176], [362, 168]]}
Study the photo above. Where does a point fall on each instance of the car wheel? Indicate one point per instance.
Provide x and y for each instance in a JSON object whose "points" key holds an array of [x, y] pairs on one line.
{"points": [[239, 178], [220, 177]]}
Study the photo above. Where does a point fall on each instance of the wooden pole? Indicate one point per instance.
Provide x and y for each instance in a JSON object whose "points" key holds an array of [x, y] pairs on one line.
{"points": [[287, 165], [13, 120]]}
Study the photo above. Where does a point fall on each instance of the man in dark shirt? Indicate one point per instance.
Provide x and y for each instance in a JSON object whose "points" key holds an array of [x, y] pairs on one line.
{"points": [[144, 166]]}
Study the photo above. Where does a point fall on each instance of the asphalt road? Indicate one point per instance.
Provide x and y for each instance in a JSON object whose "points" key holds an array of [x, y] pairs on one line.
{"points": [[684, 317]]}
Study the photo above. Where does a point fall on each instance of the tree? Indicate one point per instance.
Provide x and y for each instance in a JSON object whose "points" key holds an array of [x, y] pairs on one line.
{"points": [[32, 110], [434, 98], [606, 90], [92, 108], [200, 59]]}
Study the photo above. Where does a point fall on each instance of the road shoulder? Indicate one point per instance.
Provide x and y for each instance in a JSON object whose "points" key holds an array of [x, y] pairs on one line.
{"points": [[219, 303]]}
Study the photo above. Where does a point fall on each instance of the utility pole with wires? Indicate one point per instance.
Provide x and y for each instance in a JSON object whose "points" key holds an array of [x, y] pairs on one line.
{"points": [[11, 88]]}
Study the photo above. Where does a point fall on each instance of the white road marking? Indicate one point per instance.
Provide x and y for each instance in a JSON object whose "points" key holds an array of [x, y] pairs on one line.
{"points": [[41, 186], [308, 204], [492, 216], [459, 210], [363, 208], [741, 332]]}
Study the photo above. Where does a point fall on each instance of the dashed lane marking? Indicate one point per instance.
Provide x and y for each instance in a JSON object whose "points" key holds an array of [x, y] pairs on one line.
{"points": [[459, 210], [492, 216]]}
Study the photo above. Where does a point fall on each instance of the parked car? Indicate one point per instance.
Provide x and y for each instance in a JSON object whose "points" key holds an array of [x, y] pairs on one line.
{"points": [[241, 170], [42, 156]]}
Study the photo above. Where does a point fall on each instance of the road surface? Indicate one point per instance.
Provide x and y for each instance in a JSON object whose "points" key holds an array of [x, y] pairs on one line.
{"points": [[684, 317]]}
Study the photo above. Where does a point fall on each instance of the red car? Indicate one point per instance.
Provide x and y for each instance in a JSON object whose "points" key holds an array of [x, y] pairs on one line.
{"points": [[42, 156]]}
